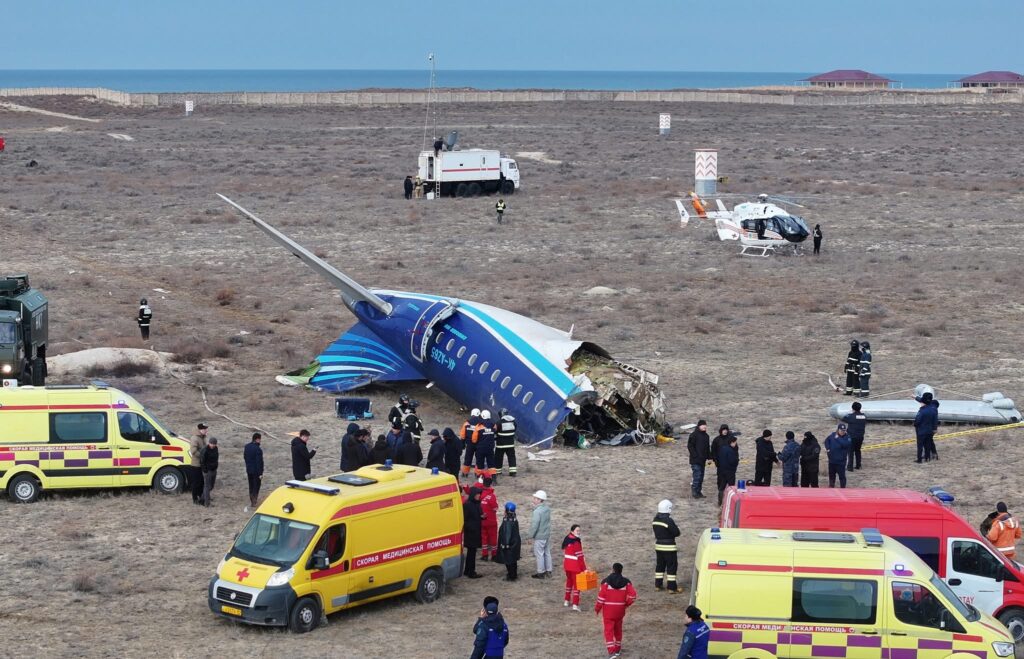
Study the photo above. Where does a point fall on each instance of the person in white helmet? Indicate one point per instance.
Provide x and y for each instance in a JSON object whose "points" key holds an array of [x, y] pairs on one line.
{"points": [[466, 434], [484, 437], [540, 533], [665, 550]]}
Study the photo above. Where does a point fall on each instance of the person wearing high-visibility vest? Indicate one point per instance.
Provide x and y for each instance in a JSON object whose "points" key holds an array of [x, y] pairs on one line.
{"points": [[500, 208], [665, 550], [1005, 532]]}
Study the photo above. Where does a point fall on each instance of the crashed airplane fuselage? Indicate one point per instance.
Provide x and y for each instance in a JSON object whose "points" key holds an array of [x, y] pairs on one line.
{"points": [[481, 356]]}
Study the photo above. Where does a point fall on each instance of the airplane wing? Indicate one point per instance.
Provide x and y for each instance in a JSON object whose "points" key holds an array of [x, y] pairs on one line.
{"points": [[358, 358], [351, 290]]}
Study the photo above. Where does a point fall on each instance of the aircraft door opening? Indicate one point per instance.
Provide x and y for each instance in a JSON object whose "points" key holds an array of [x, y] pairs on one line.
{"points": [[424, 328]]}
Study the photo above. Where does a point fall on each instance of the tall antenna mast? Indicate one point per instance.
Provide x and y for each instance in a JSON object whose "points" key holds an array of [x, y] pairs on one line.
{"points": [[430, 98]]}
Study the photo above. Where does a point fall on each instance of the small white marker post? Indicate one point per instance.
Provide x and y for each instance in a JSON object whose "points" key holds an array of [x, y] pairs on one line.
{"points": [[189, 107], [664, 123]]}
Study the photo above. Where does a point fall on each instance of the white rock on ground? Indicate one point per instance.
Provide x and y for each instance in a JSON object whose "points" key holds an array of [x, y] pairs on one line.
{"points": [[601, 290]]}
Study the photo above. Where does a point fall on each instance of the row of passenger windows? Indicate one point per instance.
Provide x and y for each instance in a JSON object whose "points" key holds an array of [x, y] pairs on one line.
{"points": [[495, 374]]}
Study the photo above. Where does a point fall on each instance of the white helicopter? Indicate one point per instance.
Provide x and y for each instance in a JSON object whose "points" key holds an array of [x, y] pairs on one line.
{"points": [[760, 226]]}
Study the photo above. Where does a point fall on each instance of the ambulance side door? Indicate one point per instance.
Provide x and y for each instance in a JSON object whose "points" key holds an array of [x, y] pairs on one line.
{"points": [[836, 616], [920, 622], [328, 568], [974, 574], [80, 455], [137, 445]]}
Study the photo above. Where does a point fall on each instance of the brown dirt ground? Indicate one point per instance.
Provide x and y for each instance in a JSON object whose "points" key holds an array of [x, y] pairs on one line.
{"points": [[920, 212]]}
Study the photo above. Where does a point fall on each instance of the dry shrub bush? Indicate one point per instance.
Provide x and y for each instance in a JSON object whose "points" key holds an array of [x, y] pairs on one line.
{"points": [[978, 443], [257, 403], [225, 296], [124, 368], [73, 532], [866, 326], [84, 582], [195, 351]]}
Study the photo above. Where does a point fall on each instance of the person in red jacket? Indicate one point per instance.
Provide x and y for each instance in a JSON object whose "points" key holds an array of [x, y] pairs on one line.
{"points": [[574, 563], [489, 527], [616, 595]]}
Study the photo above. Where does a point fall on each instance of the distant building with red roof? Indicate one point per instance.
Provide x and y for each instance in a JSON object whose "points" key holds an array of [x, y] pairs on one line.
{"points": [[850, 79], [994, 79]]}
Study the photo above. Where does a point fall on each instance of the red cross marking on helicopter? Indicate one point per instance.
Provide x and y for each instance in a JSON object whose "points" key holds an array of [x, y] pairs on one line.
{"points": [[243, 573]]}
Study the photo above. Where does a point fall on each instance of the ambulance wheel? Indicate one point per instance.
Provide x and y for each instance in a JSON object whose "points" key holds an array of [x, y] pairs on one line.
{"points": [[431, 586], [168, 480], [461, 189], [305, 615], [474, 190], [24, 488], [1014, 621]]}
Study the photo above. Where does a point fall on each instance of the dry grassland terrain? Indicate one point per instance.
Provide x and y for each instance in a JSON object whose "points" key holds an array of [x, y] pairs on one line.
{"points": [[921, 210]]}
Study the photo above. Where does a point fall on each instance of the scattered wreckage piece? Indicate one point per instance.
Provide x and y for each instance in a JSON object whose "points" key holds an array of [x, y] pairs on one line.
{"points": [[993, 408]]}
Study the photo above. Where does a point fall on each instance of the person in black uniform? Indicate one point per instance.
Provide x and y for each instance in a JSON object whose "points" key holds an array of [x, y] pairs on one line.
{"points": [[699, 447], [856, 424], [145, 318], [665, 550], [435, 454], [302, 456], [400, 410], [728, 462], [817, 238], [408, 187], [764, 459], [452, 452], [810, 449], [853, 369]]}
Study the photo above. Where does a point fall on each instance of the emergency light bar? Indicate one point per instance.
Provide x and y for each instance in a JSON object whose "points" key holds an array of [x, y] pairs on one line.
{"points": [[944, 497], [351, 479], [873, 537], [313, 487]]}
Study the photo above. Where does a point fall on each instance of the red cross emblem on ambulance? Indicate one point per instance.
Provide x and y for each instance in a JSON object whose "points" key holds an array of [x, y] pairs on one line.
{"points": [[243, 573]]}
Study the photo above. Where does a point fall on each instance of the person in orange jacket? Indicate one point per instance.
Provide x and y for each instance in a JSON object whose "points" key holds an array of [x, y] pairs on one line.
{"points": [[574, 563], [468, 437], [616, 595], [1005, 532], [489, 527]]}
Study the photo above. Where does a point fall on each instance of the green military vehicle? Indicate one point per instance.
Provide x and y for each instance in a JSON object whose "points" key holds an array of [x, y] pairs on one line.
{"points": [[24, 321]]}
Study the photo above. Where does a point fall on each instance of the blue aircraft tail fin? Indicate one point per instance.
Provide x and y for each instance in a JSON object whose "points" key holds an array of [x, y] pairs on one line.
{"points": [[359, 358]]}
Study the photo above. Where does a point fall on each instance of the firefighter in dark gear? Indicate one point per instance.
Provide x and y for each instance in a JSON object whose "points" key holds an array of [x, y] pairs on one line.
{"points": [[500, 208], [764, 459], [401, 409], [505, 443], [468, 436], [853, 369], [865, 369], [665, 534], [145, 318], [484, 437], [413, 424], [856, 423]]}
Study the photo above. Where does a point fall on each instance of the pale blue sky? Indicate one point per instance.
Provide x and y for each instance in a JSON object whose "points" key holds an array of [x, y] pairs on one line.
{"points": [[921, 36]]}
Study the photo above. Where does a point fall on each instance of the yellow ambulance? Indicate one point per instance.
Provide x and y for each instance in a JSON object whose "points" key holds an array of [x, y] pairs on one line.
{"points": [[768, 594], [83, 436], [315, 547]]}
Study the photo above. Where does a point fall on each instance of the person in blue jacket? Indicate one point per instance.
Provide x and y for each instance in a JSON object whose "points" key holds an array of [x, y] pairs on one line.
{"points": [[253, 455], [925, 424], [696, 636], [490, 632], [837, 445]]}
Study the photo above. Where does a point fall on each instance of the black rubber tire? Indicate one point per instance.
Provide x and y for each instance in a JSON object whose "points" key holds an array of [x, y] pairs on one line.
{"points": [[1014, 621], [168, 480], [461, 189], [508, 187], [24, 488], [38, 372], [431, 586], [305, 615], [474, 190]]}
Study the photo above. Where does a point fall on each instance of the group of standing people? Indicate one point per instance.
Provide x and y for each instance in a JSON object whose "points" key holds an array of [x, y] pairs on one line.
{"points": [[204, 461], [858, 369], [487, 444]]}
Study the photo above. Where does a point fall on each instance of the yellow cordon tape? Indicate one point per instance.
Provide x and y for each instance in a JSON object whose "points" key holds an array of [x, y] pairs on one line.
{"points": [[950, 435]]}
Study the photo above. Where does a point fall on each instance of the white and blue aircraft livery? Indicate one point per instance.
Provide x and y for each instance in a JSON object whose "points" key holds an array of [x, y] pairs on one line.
{"points": [[481, 356]]}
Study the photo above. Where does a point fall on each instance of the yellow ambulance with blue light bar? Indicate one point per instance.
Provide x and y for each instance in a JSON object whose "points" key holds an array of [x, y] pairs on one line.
{"points": [[768, 594], [83, 436], [319, 546]]}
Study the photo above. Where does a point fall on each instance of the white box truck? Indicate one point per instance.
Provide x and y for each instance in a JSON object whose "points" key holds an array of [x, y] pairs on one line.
{"points": [[467, 173]]}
